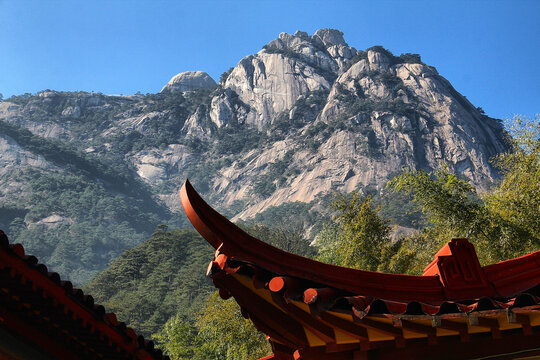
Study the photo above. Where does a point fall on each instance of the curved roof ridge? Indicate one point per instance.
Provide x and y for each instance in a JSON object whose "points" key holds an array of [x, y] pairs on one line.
{"points": [[455, 274], [232, 241]]}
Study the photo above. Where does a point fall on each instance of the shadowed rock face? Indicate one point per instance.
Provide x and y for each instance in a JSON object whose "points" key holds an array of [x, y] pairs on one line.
{"points": [[328, 118], [190, 81]]}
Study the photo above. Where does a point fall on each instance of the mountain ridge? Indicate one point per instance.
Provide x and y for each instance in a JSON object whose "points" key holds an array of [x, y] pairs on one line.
{"points": [[304, 117]]}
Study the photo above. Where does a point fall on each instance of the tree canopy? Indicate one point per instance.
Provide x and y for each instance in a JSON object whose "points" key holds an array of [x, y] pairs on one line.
{"points": [[357, 237], [218, 332]]}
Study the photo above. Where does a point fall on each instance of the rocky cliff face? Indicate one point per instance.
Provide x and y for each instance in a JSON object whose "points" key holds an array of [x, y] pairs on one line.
{"points": [[272, 80], [347, 118], [305, 116], [374, 113]]}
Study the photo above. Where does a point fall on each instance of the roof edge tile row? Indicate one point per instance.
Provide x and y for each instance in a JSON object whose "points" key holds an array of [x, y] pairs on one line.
{"points": [[49, 308]]}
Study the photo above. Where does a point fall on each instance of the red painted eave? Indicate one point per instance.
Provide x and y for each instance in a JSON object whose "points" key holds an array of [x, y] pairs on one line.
{"points": [[454, 275], [26, 281]]}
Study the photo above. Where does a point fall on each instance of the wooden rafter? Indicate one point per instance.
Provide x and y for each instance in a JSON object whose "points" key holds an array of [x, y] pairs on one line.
{"points": [[321, 330]]}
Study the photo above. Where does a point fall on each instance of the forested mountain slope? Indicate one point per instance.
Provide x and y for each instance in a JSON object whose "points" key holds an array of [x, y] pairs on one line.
{"points": [[157, 279]]}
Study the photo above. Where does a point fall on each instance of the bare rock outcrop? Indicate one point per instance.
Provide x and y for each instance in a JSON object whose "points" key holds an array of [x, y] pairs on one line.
{"points": [[271, 81], [190, 81]]}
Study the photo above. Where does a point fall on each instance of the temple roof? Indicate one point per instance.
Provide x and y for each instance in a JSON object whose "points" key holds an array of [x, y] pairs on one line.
{"points": [[49, 314], [312, 310]]}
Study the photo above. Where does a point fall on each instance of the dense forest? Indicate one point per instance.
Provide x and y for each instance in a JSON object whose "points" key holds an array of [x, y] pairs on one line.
{"points": [[159, 286]]}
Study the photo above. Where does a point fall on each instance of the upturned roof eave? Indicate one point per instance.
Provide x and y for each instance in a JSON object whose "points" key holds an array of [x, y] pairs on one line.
{"points": [[503, 279], [229, 239]]}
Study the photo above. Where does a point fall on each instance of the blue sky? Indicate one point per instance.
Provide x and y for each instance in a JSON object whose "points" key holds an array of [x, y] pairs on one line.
{"points": [[489, 50]]}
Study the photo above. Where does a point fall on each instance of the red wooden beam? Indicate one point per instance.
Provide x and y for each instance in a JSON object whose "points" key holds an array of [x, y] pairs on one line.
{"points": [[311, 295], [260, 277], [282, 352], [514, 276], [334, 348], [32, 334], [320, 353], [523, 319], [482, 345], [291, 288], [382, 327]]}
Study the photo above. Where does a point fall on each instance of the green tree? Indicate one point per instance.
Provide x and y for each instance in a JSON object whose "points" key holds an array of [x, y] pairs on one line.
{"points": [[157, 280], [289, 239], [515, 203], [357, 237], [453, 209], [411, 254], [227, 334], [178, 338], [218, 332], [502, 223], [450, 203]]}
